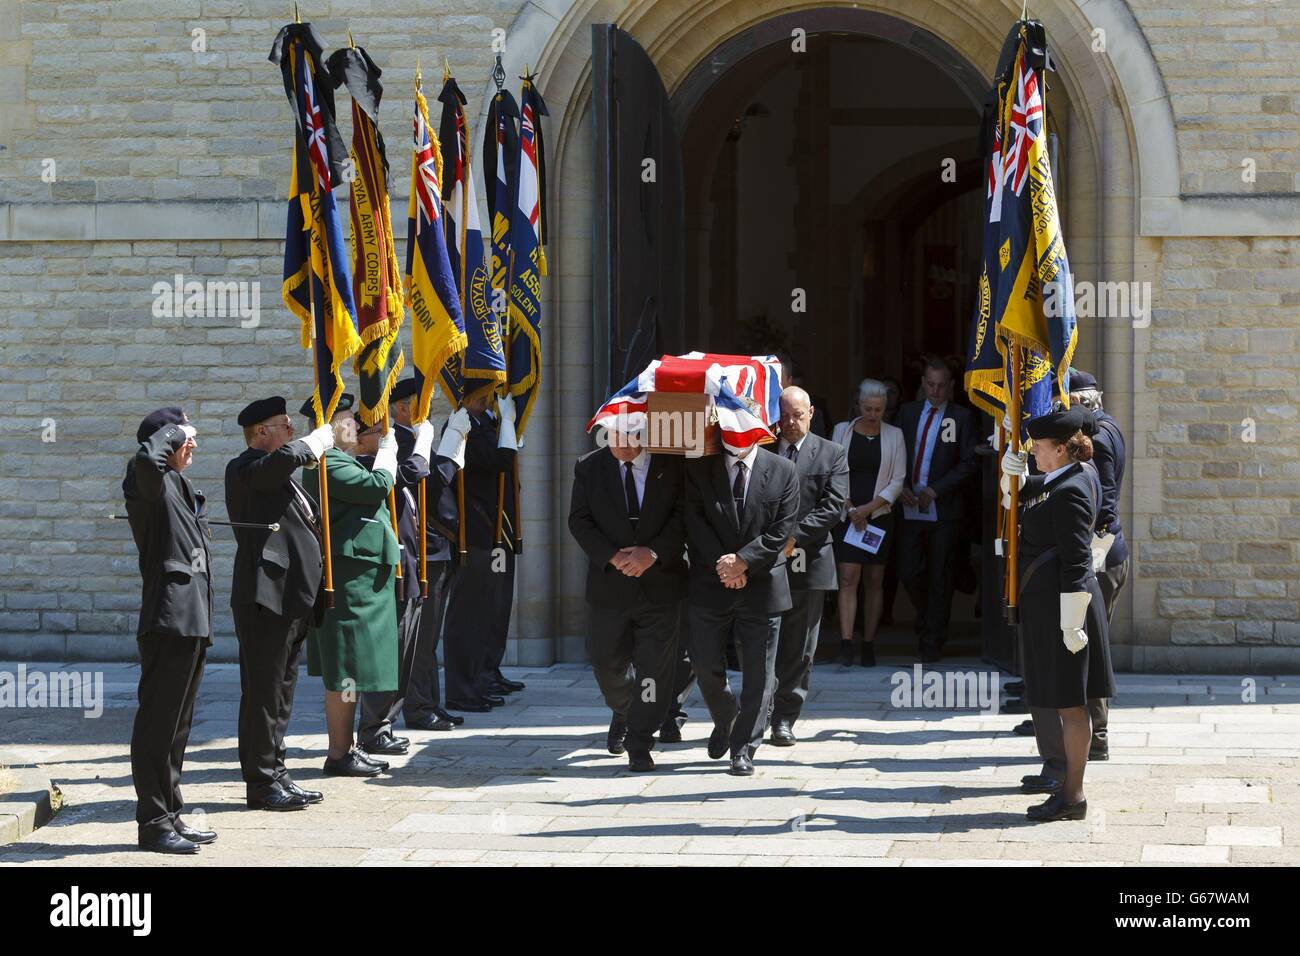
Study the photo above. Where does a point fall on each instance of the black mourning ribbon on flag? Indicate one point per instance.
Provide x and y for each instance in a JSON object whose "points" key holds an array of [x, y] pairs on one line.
{"points": [[629, 488]]}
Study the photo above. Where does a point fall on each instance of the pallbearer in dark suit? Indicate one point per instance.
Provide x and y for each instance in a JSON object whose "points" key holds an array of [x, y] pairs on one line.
{"points": [[168, 520], [823, 472], [472, 623], [379, 709], [740, 513], [1063, 616], [626, 513], [276, 584]]}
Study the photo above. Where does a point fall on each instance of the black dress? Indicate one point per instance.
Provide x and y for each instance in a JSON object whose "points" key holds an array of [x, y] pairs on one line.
{"points": [[864, 468], [1057, 520]]}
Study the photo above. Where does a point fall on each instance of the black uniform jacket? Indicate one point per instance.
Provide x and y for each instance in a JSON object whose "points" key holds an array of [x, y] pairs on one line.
{"points": [[169, 521], [598, 520], [484, 464], [757, 537], [1109, 455], [823, 468], [280, 570], [411, 470]]}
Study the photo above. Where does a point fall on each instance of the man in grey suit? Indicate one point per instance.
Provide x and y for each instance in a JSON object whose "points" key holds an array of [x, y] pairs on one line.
{"points": [[740, 512], [823, 473]]}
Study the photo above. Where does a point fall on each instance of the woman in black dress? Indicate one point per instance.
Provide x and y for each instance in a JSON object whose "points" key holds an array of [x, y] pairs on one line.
{"points": [[877, 465], [1062, 613]]}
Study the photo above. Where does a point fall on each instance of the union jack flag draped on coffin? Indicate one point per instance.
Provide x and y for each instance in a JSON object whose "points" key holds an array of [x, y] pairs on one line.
{"points": [[746, 393], [317, 287]]}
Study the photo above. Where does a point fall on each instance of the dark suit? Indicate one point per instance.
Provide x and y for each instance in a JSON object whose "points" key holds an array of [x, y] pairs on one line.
{"points": [[482, 589], [927, 548], [168, 520], [379, 709], [276, 582], [823, 470], [757, 536], [632, 641], [423, 694]]}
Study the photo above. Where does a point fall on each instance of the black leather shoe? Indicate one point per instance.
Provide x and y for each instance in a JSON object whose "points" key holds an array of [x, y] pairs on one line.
{"points": [[169, 841], [741, 765], [350, 765], [366, 758], [450, 718], [1037, 784], [617, 734], [782, 734], [197, 837], [386, 743], [514, 685], [1056, 808], [846, 653], [1024, 729], [279, 799], [1099, 753], [493, 701], [430, 722], [470, 706], [1014, 687], [868, 654], [311, 796], [719, 740], [670, 733], [640, 763], [499, 689]]}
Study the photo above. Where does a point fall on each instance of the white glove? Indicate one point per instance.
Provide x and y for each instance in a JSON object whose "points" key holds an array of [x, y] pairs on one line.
{"points": [[1074, 611], [386, 457], [423, 439], [1100, 548], [454, 437], [993, 440], [1015, 463], [320, 440], [506, 437], [190, 432], [1005, 485]]}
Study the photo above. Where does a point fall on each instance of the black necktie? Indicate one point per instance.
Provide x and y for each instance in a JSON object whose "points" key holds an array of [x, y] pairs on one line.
{"points": [[738, 488], [629, 488], [792, 452]]}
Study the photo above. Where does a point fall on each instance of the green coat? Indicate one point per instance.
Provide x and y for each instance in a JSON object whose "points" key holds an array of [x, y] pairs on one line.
{"points": [[355, 646]]}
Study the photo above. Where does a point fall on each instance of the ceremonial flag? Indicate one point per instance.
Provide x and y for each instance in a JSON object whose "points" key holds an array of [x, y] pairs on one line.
{"points": [[482, 366], [527, 258], [437, 327], [1026, 294], [377, 279], [317, 287]]}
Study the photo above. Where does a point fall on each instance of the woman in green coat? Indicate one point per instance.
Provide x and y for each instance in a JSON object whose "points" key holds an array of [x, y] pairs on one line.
{"points": [[353, 648]]}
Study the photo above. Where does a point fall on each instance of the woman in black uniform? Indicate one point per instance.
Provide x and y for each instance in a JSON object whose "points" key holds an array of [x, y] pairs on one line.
{"points": [[877, 466], [1062, 613]]}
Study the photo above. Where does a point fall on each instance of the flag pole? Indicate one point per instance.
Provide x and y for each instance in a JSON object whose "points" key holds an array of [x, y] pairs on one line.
{"points": [[327, 558], [501, 478], [1013, 512], [463, 147], [399, 584]]}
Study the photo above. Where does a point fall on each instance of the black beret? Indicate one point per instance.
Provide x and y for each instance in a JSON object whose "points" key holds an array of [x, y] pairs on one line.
{"points": [[1060, 426], [403, 390], [261, 410], [171, 415], [1079, 380], [345, 403]]}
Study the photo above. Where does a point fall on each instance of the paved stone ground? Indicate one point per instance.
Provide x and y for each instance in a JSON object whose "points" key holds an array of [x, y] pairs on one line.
{"points": [[1196, 776]]}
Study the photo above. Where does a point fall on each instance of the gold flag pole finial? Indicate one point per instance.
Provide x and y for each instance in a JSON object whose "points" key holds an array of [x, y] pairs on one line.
{"points": [[418, 77], [352, 44], [296, 18], [446, 69], [1024, 10]]}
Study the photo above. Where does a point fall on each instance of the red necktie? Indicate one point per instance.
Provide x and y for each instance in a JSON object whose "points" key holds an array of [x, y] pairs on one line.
{"points": [[920, 447]]}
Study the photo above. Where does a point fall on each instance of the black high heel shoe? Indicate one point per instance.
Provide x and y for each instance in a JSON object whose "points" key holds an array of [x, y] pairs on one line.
{"points": [[868, 654], [846, 653], [1056, 807]]}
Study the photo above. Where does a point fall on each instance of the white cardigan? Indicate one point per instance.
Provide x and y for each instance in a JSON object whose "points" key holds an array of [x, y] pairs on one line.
{"points": [[893, 462]]}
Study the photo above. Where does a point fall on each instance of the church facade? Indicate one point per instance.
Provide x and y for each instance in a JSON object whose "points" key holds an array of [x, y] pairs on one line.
{"points": [[819, 165]]}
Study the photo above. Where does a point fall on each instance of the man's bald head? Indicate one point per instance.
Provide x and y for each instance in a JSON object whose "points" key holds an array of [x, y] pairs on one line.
{"points": [[796, 414]]}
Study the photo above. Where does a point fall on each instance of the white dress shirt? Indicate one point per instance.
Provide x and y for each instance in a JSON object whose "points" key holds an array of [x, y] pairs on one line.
{"points": [[640, 469], [734, 462], [931, 440], [785, 446]]}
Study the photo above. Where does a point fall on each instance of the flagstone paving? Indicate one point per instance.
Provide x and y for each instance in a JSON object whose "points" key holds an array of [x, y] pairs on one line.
{"points": [[1197, 776]]}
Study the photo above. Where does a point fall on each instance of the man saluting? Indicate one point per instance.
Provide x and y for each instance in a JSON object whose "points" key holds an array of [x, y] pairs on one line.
{"points": [[169, 523], [276, 582], [626, 513]]}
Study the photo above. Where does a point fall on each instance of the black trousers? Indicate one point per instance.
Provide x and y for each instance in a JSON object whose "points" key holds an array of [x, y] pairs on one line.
{"points": [[380, 708], [270, 649], [796, 648], [423, 696], [925, 562], [756, 639], [633, 652], [683, 673], [503, 603], [467, 626], [1112, 581], [171, 669]]}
